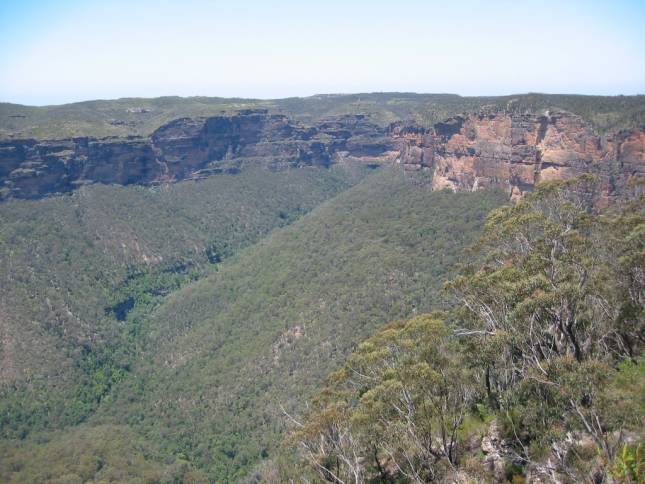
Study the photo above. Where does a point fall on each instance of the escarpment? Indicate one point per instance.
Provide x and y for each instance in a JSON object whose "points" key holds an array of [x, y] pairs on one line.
{"points": [[188, 148], [512, 152]]}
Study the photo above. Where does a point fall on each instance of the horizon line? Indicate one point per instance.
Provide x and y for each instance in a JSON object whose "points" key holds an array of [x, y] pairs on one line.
{"points": [[322, 94]]}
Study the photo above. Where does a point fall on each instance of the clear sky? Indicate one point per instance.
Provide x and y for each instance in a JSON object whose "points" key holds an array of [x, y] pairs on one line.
{"points": [[69, 50]]}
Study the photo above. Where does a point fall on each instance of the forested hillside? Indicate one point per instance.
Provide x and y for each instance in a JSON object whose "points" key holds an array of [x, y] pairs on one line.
{"points": [[219, 358], [535, 374], [326, 277], [81, 271], [181, 331]]}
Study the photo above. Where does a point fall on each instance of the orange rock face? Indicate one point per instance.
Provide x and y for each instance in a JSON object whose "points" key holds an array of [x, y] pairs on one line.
{"points": [[515, 152], [511, 152]]}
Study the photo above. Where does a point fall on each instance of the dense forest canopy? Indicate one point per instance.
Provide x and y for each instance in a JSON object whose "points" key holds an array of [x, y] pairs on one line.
{"points": [[236, 246], [234, 325], [540, 359], [189, 319]]}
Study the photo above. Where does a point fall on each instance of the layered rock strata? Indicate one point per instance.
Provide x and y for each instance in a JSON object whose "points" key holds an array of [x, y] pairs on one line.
{"points": [[515, 152], [512, 152], [187, 149]]}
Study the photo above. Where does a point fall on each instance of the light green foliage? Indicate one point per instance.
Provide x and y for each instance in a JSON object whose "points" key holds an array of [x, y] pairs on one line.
{"points": [[629, 465], [545, 338], [141, 116], [91, 454], [398, 403], [201, 368], [550, 309], [156, 325]]}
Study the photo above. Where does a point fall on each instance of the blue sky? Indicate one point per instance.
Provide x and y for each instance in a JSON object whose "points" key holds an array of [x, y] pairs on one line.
{"points": [[69, 50]]}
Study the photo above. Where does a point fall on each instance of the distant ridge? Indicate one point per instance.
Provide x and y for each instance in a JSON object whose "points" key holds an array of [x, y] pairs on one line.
{"points": [[142, 116]]}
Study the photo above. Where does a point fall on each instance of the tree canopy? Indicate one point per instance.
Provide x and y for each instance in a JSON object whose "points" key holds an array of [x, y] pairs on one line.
{"points": [[540, 354]]}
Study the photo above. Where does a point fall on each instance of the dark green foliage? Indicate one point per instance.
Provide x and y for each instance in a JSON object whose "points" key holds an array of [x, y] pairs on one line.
{"points": [[80, 272], [226, 353], [201, 366], [166, 327]]}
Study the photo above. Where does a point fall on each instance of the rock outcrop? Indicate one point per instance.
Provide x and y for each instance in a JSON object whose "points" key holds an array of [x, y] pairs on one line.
{"points": [[515, 152], [187, 149], [512, 152]]}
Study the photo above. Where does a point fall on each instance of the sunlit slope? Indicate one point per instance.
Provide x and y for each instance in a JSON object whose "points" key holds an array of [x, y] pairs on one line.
{"points": [[104, 453], [141, 116], [225, 353]]}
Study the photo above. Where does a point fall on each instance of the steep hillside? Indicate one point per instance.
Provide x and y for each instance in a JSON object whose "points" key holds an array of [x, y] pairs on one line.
{"points": [[535, 375], [177, 315], [141, 116], [225, 353], [80, 271], [108, 453]]}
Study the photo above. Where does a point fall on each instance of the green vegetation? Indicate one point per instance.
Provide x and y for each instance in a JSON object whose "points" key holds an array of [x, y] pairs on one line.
{"points": [[628, 466], [140, 116], [176, 333], [83, 271], [102, 454], [543, 348], [227, 353], [202, 374]]}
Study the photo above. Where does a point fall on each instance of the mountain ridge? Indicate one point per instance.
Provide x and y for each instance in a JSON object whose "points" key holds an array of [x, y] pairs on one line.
{"points": [[141, 116], [507, 150]]}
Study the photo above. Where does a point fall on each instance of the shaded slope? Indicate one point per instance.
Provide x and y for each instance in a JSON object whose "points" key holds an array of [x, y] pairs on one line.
{"points": [[224, 353]]}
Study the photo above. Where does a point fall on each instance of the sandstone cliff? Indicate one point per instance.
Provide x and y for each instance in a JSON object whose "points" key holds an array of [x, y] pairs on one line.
{"points": [[512, 152], [187, 148], [515, 152]]}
